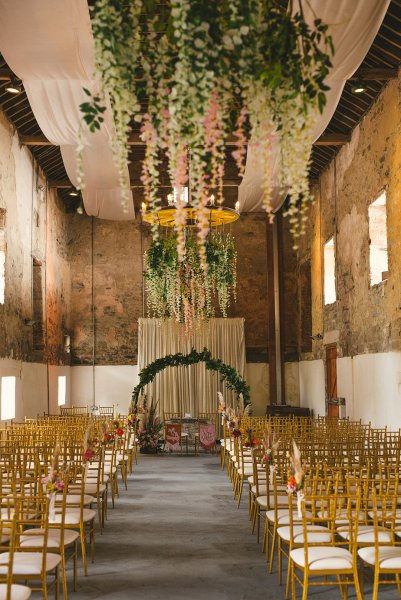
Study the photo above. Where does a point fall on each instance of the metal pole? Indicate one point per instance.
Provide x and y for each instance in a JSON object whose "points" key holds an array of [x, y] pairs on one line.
{"points": [[277, 329], [93, 318]]}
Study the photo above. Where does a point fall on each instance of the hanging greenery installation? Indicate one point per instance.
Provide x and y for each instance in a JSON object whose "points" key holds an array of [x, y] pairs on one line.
{"points": [[184, 290], [190, 73]]}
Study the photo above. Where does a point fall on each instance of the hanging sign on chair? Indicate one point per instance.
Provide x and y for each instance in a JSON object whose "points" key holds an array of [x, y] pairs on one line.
{"points": [[173, 436], [207, 435]]}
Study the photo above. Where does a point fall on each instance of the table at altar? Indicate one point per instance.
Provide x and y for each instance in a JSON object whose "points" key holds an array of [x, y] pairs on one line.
{"points": [[195, 431]]}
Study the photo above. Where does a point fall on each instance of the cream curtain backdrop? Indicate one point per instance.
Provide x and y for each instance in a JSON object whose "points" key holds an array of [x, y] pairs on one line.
{"points": [[190, 389]]}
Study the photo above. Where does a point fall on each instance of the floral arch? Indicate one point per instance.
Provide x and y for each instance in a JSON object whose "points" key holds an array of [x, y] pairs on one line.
{"points": [[228, 375]]}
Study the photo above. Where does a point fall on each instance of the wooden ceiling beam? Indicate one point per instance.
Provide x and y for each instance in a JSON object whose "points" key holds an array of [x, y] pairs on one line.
{"points": [[333, 139], [329, 139], [6, 74], [66, 184], [375, 74]]}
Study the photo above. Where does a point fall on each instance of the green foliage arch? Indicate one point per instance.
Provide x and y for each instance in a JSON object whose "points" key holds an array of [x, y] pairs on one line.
{"points": [[228, 375]]}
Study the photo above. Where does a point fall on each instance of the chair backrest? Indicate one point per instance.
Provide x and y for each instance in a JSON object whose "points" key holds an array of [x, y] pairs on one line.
{"points": [[106, 411], [73, 411], [172, 416]]}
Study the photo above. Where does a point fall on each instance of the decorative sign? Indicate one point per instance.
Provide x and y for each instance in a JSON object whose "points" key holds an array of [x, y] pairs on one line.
{"points": [[172, 436], [207, 435]]}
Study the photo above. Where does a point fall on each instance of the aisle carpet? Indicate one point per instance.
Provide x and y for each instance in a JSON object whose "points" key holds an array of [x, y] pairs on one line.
{"points": [[177, 534]]}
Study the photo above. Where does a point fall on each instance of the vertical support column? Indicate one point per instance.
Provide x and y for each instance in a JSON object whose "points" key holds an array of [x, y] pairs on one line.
{"points": [[274, 293], [93, 312]]}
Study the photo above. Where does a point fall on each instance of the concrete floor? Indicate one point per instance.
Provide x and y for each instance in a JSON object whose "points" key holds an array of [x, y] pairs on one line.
{"points": [[177, 534]]}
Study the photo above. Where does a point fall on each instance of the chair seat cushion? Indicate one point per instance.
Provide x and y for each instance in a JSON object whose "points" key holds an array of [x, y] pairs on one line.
{"points": [[76, 499], [29, 563], [283, 516], [93, 488], [323, 558], [317, 534], [389, 556], [366, 534], [73, 516], [18, 592], [33, 538]]}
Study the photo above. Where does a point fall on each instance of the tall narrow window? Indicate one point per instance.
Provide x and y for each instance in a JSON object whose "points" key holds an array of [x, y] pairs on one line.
{"points": [[2, 255], [378, 240], [7, 398], [329, 272], [62, 390]]}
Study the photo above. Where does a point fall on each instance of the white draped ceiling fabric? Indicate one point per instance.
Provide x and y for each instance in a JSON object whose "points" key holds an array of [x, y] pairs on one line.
{"points": [[353, 27], [191, 389], [49, 46]]}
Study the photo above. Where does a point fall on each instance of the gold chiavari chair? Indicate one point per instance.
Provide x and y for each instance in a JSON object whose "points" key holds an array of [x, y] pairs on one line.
{"points": [[323, 563], [384, 555]]}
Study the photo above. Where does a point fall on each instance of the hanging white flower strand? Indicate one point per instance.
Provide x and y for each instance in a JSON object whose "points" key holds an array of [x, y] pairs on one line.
{"points": [[191, 73]]}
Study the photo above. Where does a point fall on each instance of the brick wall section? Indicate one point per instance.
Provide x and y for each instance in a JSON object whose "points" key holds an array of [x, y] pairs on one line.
{"points": [[368, 318], [118, 287]]}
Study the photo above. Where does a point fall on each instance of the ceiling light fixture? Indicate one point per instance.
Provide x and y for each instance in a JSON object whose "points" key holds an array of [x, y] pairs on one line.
{"points": [[217, 215], [14, 86], [359, 87]]}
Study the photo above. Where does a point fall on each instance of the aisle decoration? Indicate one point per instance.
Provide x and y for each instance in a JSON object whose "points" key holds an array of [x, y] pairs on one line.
{"points": [[296, 477], [185, 290], [228, 375], [89, 446], [270, 444], [54, 483], [150, 429], [207, 70]]}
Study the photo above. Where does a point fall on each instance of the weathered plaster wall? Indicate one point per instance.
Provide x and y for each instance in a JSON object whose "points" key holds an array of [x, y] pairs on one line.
{"points": [[365, 320], [35, 228]]}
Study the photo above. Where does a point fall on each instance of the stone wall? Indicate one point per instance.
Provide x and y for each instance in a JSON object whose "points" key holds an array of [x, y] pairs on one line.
{"points": [[35, 232], [118, 288], [365, 318]]}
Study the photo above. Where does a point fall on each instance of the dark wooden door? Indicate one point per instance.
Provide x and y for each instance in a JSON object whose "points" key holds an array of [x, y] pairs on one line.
{"points": [[331, 380]]}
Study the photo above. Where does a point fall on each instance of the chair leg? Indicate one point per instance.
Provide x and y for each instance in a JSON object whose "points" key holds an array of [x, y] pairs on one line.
{"points": [[273, 548], [64, 575], [375, 590], [83, 549], [75, 567]]}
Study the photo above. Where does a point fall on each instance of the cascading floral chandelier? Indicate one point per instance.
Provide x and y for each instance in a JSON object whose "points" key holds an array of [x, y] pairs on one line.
{"points": [[187, 290], [189, 73]]}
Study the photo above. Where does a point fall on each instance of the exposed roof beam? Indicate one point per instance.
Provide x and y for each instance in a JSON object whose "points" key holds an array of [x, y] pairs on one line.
{"points": [[330, 139], [375, 74], [134, 140], [66, 184], [333, 139], [6, 74]]}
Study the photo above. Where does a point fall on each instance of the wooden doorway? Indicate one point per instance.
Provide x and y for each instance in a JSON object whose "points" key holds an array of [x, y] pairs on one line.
{"points": [[331, 381]]}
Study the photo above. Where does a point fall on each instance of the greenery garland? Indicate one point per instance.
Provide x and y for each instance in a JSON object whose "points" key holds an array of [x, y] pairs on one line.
{"points": [[190, 73], [228, 375]]}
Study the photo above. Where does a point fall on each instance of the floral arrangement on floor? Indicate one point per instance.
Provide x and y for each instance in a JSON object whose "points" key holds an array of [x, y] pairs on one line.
{"points": [[183, 289], [296, 476], [150, 429], [208, 70]]}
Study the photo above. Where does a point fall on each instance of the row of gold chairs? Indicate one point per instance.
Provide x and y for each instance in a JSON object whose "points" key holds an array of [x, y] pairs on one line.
{"points": [[43, 523], [346, 516]]}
